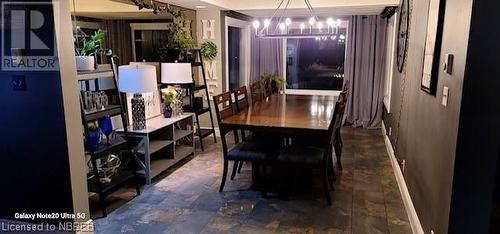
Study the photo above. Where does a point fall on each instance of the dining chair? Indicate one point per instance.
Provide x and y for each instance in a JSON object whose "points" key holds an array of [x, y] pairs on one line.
{"points": [[242, 151], [241, 102], [268, 91], [306, 155], [339, 119], [256, 91]]}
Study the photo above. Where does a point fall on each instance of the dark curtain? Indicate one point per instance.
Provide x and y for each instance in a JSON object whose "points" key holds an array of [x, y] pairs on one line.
{"points": [[266, 57], [119, 39], [364, 69]]}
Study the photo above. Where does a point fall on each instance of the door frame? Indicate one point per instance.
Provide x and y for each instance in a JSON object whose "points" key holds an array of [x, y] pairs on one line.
{"points": [[244, 49]]}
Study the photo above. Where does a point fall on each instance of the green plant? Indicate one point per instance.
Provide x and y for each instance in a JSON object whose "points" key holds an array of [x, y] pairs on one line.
{"points": [[94, 45], [208, 50], [270, 80], [177, 38], [169, 95], [93, 126]]}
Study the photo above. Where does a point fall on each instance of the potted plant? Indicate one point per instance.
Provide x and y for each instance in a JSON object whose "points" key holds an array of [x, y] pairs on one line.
{"points": [[85, 56], [208, 50], [274, 81], [94, 135], [168, 99]]}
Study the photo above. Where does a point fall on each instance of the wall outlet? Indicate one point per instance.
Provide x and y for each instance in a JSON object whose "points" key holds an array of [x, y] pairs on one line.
{"points": [[390, 131], [403, 165], [446, 93]]}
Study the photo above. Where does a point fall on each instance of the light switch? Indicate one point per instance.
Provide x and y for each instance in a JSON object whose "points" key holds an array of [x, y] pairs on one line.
{"points": [[446, 93]]}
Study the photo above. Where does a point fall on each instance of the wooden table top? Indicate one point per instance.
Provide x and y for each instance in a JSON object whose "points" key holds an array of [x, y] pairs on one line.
{"points": [[286, 111]]}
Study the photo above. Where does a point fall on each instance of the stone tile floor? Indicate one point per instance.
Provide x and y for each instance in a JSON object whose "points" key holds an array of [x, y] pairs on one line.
{"points": [[366, 199]]}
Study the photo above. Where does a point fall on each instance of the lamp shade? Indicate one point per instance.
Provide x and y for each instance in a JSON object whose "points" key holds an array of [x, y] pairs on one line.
{"points": [[137, 79], [176, 73]]}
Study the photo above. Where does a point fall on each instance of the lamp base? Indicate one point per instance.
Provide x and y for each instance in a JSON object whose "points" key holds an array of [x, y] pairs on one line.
{"points": [[138, 112]]}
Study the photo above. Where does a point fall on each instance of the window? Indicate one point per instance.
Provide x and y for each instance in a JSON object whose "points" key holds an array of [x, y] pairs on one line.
{"points": [[315, 63]]}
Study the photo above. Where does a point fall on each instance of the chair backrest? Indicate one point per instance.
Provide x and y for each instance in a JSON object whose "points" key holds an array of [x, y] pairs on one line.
{"points": [[335, 125], [224, 108], [256, 91], [268, 90], [241, 98]]}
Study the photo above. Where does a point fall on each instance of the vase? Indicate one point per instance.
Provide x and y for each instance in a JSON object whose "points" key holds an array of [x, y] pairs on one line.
{"points": [[85, 63], [106, 127], [95, 139], [167, 111]]}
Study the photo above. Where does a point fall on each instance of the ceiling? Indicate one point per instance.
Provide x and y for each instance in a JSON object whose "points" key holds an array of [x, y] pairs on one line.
{"points": [[112, 9], [265, 8]]}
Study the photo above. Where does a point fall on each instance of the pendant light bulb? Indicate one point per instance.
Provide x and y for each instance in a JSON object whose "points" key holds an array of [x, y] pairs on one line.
{"points": [[267, 22], [256, 24], [330, 22], [312, 21], [288, 21]]}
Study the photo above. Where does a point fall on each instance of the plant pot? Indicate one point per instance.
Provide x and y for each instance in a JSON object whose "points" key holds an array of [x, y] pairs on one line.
{"points": [[95, 139], [85, 63], [167, 111]]}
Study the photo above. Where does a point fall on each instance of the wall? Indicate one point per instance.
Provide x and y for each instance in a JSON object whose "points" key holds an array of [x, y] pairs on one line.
{"points": [[41, 149], [425, 134], [211, 14]]}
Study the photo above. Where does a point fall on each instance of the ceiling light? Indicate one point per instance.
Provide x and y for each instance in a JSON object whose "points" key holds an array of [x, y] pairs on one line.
{"points": [[282, 27], [330, 22], [320, 25], [267, 22], [288, 21], [256, 24], [341, 37], [338, 22], [201, 7], [312, 21]]}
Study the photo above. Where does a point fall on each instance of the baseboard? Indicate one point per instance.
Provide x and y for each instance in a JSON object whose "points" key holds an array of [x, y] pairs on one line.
{"points": [[415, 225]]}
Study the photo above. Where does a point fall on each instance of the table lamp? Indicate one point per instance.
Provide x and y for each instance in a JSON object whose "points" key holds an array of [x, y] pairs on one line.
{"points": [[137, 79], [177, 74]]}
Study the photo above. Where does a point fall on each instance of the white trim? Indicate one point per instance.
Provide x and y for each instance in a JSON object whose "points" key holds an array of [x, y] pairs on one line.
{"points": [[313, 92], [415, 225], [390, 67], [244, 48]]}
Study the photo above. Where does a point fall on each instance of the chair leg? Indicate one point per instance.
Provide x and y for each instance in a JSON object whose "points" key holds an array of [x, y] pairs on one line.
{"points": [[103, 206], [224, 175], [325, 185], [235, 168], [240, 165], [338, 153]]}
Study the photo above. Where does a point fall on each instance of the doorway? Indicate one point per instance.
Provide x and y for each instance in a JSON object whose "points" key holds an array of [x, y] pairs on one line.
{"points": [[234, 40]]}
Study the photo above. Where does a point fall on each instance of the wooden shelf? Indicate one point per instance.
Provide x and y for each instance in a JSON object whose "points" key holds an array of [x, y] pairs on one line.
{"points": [[156, 145], [183, 151], [117, 180], [95, 74], [114, 144], [110, 110], [199, 87], [160, 165], [179, 134], [204, 132]]}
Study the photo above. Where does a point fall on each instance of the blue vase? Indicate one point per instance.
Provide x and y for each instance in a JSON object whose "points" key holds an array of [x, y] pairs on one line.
{"points": [[95, 139], [106, 127], [167, 111]]}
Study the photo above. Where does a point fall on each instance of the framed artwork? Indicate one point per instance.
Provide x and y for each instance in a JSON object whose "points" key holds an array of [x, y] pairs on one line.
{"points": [[432, 50], [152, 102]]}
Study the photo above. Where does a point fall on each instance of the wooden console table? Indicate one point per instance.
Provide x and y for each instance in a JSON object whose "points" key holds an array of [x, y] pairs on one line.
{"points": [[163, 143]]}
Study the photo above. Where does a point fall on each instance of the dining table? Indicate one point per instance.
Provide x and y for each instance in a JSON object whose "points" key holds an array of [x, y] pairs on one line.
{"points": [[285, 114]]}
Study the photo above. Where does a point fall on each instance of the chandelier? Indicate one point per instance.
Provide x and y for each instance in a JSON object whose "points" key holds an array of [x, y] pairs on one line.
{"points": [[286, 27]]}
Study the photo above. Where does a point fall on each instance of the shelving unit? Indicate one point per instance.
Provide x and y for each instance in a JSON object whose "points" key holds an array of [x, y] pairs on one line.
{"points": [[163, 143], [201, 133], [126, 173]]}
